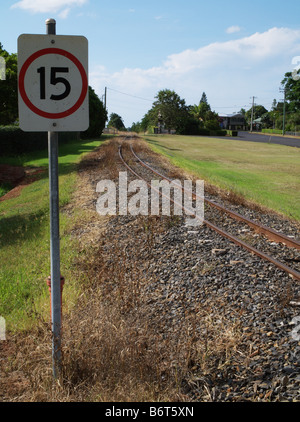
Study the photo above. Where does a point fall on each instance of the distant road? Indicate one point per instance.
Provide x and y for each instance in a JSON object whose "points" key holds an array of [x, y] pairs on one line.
{"points": [[267, 138]]}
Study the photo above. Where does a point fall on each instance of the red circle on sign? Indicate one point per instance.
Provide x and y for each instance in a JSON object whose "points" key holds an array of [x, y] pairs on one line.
{"points": [[27, 101]]}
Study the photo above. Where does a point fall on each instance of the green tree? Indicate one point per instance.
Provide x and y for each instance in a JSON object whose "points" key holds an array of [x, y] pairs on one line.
{"points": [[293, 122], [204, 99], [204, 115], [267, 120], [9, 89], [145, 123], [259, 111], [273, 114], [291, 85], [212, 121], [115, 121], [97, 115], [172, 110], [136, 127], [200, 111]]}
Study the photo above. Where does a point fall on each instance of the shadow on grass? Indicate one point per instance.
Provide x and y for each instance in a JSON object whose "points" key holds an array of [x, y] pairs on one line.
{"points": [[17, 228], [41, 158], [151, 141], [27, 225], [68, 160]]}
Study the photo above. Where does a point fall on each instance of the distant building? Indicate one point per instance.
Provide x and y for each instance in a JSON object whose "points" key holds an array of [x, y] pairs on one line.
{"points": [[233, 122]]}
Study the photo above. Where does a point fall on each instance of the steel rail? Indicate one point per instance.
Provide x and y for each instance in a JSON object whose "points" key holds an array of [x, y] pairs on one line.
{"points": [[295, 274], [270, 233]]}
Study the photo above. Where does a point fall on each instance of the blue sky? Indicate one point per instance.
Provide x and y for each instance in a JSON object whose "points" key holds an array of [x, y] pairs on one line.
{"points": [[232, 50]]}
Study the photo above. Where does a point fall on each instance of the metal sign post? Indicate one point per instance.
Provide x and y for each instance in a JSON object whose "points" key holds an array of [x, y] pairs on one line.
{"points": [[53, 97], [54, 242], [55, 251]]}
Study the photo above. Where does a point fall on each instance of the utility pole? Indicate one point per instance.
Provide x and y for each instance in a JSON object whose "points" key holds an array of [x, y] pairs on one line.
{"points": [[105, 101], [252, 114], [284, 110]]}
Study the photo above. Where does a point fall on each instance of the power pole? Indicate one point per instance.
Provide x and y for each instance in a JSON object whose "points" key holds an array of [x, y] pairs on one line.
{"points": [[105, 100], [252, 114], [284, 110]]}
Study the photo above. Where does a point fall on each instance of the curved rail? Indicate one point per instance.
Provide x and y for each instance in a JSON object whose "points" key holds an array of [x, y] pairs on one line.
{"points": [[260, 228], [232, 238]]}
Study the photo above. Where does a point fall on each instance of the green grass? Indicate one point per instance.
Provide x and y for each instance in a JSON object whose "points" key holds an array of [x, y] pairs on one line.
{"points": [[25, 238], [266, 174]]}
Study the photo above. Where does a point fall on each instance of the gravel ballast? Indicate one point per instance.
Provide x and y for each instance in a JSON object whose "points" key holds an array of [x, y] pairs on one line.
{"points": [[238, 301]]}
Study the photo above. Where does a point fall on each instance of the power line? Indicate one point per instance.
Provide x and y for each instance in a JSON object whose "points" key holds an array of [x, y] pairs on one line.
{"points": [[130, 95], [151, 101], [234, 106]]}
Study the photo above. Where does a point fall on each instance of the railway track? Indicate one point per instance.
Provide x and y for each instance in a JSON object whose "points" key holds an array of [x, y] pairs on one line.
{"points": [[257, 227]]}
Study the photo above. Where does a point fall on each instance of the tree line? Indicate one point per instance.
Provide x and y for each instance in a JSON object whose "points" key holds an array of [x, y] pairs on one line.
{"points": [[171, 113], [169, 109]]}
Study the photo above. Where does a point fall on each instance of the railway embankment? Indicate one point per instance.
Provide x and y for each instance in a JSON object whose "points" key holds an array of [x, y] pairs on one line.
{"points": [[170, 312]]}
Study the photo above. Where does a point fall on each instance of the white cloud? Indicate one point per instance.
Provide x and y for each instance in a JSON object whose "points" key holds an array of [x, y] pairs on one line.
{"points": [[259, 46], [44, 6], [233, 29], [64, 13], [229, 72]]}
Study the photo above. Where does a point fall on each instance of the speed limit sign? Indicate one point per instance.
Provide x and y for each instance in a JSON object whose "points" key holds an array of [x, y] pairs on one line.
{"points": [[53, 83]]}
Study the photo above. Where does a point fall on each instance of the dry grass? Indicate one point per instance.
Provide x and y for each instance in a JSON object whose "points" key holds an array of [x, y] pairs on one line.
{"points": [[116, 348]]}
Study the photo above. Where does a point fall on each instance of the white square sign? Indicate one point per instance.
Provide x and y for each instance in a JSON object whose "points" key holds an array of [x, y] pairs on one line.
{"points": [[53, 83]]}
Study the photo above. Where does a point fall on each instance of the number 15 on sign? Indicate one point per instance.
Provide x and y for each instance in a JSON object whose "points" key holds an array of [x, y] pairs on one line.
{"points": [[53, 83]]}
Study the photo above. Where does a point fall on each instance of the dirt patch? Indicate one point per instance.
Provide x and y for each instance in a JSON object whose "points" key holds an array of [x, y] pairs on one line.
{"points": [[18, 177], [11, 174]]}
